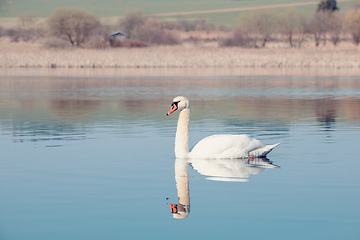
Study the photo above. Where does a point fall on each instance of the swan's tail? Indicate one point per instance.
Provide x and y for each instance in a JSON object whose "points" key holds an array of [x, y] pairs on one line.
{"points": [[262, 152]]}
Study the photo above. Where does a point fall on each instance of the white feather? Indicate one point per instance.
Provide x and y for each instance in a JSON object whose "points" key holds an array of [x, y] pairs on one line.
{"points": [[215, 146]]}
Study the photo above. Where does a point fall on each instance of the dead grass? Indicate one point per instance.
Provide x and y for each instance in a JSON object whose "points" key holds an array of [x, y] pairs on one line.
{"points": [[185, 56]]}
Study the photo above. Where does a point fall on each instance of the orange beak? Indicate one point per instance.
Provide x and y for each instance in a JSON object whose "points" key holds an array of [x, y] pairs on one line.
{"points": [[173, 208], [172, 109]]}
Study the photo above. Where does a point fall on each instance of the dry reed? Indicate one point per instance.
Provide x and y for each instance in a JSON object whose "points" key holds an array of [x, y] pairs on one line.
{"points": [[180, 57]]}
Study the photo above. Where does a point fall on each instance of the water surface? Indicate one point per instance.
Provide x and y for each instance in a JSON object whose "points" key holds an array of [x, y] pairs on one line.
{"points": [[90, 155]]}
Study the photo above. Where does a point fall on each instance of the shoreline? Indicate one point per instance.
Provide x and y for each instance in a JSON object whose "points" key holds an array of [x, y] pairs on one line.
{"points": [[152, 74]]}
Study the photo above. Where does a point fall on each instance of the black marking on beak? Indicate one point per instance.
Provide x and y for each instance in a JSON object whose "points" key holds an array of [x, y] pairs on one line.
{"points": [[174, 107]]}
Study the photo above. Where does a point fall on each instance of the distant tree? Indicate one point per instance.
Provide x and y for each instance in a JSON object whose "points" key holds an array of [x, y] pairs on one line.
{"points": [[132, 20], [72, 24], [326, 20], [263, 23], [203, 25], [319, 26], [153, 32], [304, 28], [172, 25], [27, 21], [238, 38], [223, 28], [100, 37], [327, 5], [293, 24], [26, 29], [186, 25], [26, 35], [336, 26], [149, 30], [352, 19], [288, 24]]}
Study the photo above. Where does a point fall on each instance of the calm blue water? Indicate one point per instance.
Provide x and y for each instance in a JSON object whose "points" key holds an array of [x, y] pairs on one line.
{"points": [[92, 157]]}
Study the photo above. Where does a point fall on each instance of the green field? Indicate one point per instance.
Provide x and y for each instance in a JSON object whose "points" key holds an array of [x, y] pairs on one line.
{"points": [[112, 8]]}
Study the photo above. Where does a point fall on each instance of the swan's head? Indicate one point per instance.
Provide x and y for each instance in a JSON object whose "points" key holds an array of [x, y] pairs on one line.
{"points": [[179, 103], [180, 211]]}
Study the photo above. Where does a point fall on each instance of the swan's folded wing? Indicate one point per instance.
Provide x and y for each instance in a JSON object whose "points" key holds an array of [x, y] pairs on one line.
{"points": [[225, 146], [262, 152]]}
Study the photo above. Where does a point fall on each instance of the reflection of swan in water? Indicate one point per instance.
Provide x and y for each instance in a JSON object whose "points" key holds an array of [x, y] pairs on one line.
{"points": [[231, 170], [215, 146], [234, 170], [182, 209]]}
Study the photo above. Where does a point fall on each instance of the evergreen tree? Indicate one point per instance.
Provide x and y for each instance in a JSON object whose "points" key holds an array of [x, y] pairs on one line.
{"points": [[327, 5]]}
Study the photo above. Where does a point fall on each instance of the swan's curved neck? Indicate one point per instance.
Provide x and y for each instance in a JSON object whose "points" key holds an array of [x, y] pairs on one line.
{"points": [[182, 134]]}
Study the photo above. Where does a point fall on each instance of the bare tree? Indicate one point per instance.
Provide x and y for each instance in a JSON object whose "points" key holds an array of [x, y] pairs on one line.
{"points": [[335, 27], [263, 22], [238, 38], [352, 19], [26, 29], [27, 21], [72, 24], [319, 26], [100, 37], [304, 28], [185, 24], [131, 20], [289, 24], [203, 25], [153, 32]]}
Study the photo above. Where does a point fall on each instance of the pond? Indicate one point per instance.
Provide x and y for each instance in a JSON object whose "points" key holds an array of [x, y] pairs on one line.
{"points": [[89, 154]]}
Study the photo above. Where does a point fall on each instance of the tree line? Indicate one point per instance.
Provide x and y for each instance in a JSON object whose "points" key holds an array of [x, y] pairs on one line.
{"points": [[326, 23], [77, 27]]}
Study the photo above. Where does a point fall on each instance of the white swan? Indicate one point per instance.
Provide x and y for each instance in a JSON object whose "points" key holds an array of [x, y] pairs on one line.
{"points": [[215, 146]]}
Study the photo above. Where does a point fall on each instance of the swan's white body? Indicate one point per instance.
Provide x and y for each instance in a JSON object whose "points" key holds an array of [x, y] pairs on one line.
{"points": [[229, 146], [215, 146]]}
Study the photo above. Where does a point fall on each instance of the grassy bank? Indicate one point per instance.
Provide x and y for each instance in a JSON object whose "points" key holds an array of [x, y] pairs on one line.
{"points": [[34, 56], [215, 11]]}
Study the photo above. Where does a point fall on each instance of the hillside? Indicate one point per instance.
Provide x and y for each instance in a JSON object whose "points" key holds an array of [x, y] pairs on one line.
{"points": [[216, 11]]}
